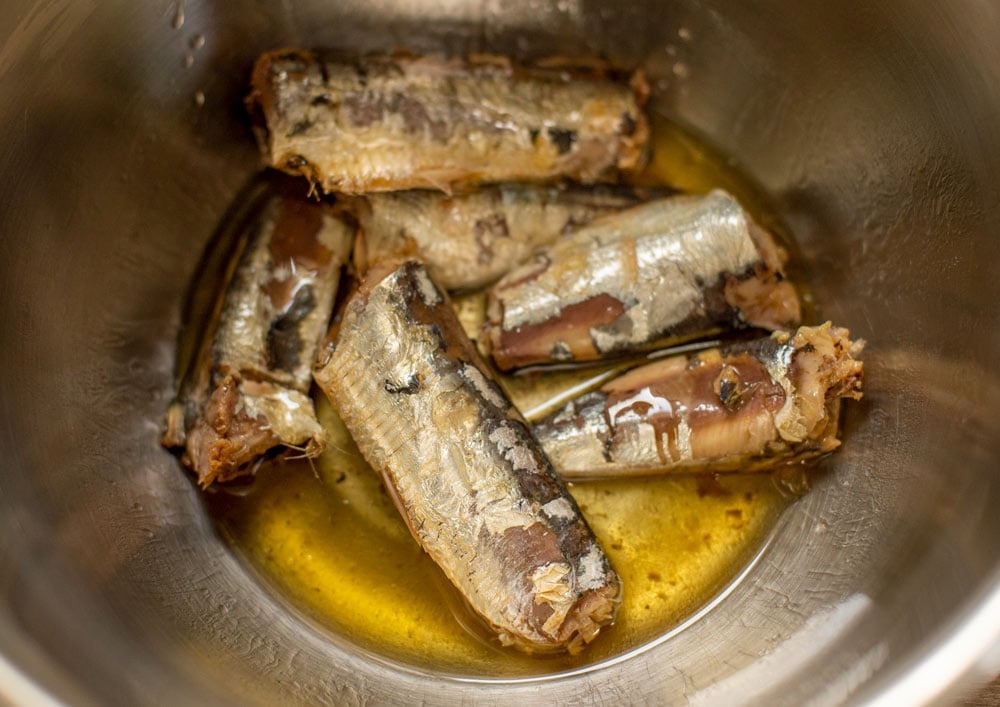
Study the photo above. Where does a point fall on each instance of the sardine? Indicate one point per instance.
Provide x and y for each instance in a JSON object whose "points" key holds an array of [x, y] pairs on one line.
{"points": [[745, 407], [470, 240], [248, 390], [385, 123], [661, 273], [474, 488]]}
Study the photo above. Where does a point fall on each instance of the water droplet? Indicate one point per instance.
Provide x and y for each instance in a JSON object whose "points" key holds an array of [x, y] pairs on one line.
{"points": [[671, 50], [199, 99], [684, 33], [178, 20], [197, 42], [188, 60], [680, 69]]}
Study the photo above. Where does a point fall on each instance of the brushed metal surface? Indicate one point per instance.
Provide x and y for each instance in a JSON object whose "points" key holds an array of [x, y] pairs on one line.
{"points": [[873, 129]]}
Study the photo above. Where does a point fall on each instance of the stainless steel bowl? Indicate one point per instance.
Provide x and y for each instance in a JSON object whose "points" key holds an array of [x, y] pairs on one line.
{"points": [[875, 131]]}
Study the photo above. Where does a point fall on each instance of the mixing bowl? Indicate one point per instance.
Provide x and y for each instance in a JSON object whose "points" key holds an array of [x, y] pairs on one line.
{"points": [[874, 131]]}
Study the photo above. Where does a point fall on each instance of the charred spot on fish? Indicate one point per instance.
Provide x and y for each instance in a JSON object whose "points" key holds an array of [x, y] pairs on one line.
{"points": [[729, 394], [607, 445], [561, 352], [283, 348], [730, 388], [299, 128], [628, 125], [323, 99], [562, 139], [284, 342], [302, 304], [486, 231], [340, 479], [533, 134], [763, 349], [439, 336], [613, 336], [364, 109], [416, 118], [736, 395], [411, 386], [412, 111]]}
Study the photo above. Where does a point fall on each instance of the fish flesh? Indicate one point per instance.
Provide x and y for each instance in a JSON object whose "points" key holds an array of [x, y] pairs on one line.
{"points": [[386, 123], [470, 240], [668, 271], [748, 406], [248, 390], [474, 488]]}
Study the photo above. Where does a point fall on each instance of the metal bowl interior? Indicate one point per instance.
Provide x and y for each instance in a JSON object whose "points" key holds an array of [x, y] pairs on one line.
{"points": [[874, 133]]}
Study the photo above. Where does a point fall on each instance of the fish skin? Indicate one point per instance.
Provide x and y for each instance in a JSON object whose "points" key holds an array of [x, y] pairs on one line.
{"points": [[382, 123], [249, 392], [664, 272], [749, 406], [475, 490], [469, 240]]}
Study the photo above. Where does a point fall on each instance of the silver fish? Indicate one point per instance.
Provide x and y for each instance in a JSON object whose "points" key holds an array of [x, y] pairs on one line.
{"points": [[388, 123], [746, 407], [247, 391], [471, 239], [475, 489], [671, 270]]}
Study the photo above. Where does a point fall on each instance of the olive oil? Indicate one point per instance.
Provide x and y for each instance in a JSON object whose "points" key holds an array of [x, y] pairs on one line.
{"points": [[330, 540], [683, 161], [325, 535]]}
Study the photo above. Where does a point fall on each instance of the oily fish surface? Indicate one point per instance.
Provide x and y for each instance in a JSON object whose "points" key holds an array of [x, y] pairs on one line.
{"points": [[390, 123], [473, 486], [656, 271]]}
